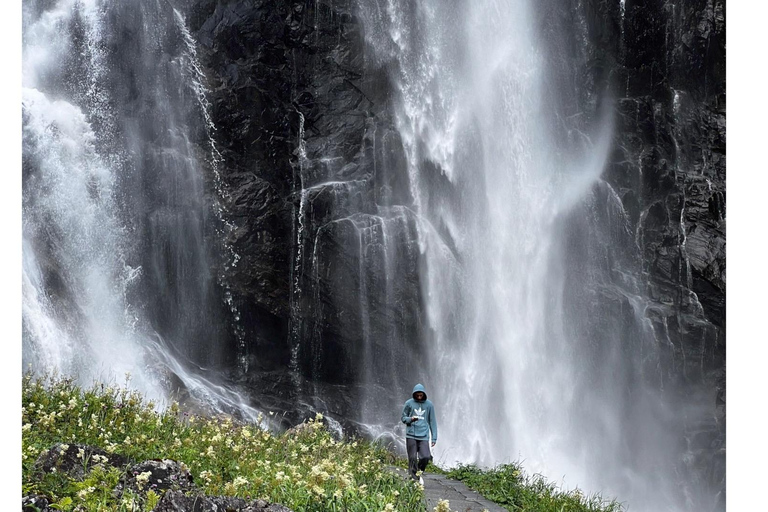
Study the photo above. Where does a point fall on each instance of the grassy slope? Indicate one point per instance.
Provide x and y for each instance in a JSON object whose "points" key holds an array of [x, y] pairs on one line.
{"points": [[304, 469]]}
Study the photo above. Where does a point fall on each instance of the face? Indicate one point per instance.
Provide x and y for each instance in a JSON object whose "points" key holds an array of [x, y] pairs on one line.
{"points": [[419, 395]]}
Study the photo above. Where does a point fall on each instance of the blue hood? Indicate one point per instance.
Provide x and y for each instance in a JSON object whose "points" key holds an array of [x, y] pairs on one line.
{"points": [[419, 387]]}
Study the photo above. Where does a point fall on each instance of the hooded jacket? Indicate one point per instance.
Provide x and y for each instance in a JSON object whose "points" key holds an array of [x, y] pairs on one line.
{"points": [[420, 429]]}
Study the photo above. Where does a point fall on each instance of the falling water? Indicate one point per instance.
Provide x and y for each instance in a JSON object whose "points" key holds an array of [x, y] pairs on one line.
{"points": [[519, 364], [74, 244], [119, 270]]}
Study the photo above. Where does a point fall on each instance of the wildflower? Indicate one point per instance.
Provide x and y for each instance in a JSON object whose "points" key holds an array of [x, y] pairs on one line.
{"points": [[239, 481], [80, 453], [442, 506], [84, 492], [143, 478], [337, 493], [318, 417], [318, 490], [26, 427], [206, 475], [389, 507]]}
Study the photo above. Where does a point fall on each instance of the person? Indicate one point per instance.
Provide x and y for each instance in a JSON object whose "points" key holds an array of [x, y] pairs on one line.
{"points": [[419, 418]]}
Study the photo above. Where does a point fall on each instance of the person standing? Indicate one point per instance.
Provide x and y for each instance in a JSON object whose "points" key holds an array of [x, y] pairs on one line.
{"points": [[419, 418]]}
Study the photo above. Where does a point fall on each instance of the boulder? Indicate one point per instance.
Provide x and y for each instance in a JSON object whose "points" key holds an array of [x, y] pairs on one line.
{"points": [[176, 501], [35, 503], [158, 475], [75, 459]]}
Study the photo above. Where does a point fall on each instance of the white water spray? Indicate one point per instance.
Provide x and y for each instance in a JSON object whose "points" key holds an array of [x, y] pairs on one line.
{"points": [[80, 275], [506, 365]]}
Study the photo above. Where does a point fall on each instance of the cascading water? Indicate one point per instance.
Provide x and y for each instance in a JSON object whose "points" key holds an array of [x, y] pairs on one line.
{"points": [[474, 246], [522, 243], [120, 225], [74, 244]]}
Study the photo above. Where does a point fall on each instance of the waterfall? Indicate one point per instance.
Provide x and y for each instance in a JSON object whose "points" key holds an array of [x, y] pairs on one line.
{"points": [[123, 218], [76, 276], [417, 191], [540, 343]]}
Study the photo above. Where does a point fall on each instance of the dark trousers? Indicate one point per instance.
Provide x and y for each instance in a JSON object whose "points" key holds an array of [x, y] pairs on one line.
{"points": [[418, 448]]}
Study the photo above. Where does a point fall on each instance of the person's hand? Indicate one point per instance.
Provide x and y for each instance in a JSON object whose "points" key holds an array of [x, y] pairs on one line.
{"points": [[414, 418], [433, 444]]}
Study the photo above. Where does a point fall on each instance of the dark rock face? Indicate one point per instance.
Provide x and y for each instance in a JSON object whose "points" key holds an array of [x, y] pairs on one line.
{"points": [[304, 128]]}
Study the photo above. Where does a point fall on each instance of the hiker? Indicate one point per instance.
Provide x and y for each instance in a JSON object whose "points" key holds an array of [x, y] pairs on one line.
{"points": [[419, 417]]}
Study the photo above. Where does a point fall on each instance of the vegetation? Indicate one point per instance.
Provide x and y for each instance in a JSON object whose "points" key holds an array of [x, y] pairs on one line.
{"points": [[304, 468], [508, 486]]}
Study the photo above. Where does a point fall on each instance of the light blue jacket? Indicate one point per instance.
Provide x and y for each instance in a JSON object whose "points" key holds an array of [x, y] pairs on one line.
{"points": [[420, 428]]}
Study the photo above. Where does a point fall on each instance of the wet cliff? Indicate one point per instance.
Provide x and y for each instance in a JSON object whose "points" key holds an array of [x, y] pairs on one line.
{"points": [[329, 279]]}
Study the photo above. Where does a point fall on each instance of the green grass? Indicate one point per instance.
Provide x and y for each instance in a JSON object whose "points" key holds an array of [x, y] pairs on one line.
{"points": [[304, 469], [510, 487]]}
